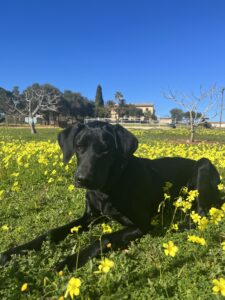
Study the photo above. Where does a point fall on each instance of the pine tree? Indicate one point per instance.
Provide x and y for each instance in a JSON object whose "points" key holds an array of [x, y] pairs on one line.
{"points": [[99, 102]]}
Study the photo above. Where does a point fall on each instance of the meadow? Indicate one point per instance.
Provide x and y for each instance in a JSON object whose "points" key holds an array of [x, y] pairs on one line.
{"points": [[183, 258]]}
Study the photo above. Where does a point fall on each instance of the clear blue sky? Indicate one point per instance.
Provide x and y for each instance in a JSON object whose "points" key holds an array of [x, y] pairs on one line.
{"points": [[139, 47]]}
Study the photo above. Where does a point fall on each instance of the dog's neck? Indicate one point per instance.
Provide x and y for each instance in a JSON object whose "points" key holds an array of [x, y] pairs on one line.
{"points": [[115, 173]]}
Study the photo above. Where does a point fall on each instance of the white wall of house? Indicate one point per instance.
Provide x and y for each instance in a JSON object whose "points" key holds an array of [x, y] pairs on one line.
{"points": [[165, 120], [217, 124]]}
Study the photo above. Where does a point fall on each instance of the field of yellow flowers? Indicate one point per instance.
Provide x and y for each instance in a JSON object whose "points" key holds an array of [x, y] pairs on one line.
{"points": [[181, 259]]}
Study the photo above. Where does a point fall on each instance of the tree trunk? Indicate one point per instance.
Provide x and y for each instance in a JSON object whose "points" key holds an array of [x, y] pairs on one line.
{"points": [[32, 127], [192, 138]]}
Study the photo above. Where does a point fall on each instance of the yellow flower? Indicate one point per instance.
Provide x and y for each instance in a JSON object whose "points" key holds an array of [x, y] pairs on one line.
{"points": [[197, 240], [60, 273], [15, 187], [15, 174], [178, 202], [219, 286], [73, 287], [192, 195], [50, 180], [5, 227], [216, 215], [223, 245], [71, 187], [195, 217], [184, 190], [186, 206], [61, 298], [75, 229], [106, 228], [202, 224], [166, 196], [105, 266], [170, 248], [220, 187], [174, 227], [2, 193], [167, 186], [223, 207], [24, 287]]}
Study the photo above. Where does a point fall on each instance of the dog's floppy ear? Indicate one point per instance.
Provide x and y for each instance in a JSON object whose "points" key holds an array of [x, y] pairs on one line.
{"points": [[125, 140], [66, 141]]}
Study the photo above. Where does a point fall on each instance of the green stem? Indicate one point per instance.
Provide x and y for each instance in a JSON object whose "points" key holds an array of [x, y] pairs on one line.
{"points": [[77, 258], [100, 241]]}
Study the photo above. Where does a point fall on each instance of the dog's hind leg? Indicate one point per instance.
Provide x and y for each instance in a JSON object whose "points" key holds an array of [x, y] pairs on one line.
{"points": [[206, 179]]}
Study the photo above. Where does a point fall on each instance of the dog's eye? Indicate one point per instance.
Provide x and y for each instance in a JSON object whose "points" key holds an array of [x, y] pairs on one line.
{"points": [[79, 147], [104, 150]]}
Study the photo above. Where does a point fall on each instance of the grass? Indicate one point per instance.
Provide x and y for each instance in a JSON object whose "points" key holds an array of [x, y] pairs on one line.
{"points": [[142, 271]]}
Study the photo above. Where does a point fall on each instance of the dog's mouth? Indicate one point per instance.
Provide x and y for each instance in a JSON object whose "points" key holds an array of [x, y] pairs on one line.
{"points": [[85, 185]]}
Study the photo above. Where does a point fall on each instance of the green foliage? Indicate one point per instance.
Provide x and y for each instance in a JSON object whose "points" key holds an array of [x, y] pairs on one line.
{"points": [[176, 114], [78, 106], [98, 98]]}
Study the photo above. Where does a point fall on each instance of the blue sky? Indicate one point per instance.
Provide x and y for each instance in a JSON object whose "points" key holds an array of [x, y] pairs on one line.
{"points": [[139, 47]]}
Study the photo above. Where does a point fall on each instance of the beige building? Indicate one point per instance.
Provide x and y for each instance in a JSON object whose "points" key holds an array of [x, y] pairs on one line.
{"points": [[145, 108], [217, 124], [165, 121]]}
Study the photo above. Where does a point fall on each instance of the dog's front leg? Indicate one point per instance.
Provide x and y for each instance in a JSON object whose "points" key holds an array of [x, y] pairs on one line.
{"points": [[54, 235], [118, 239]]}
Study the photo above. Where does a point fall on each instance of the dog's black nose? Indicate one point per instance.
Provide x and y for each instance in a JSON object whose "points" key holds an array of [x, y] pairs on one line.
{"points": [[82, 180]]}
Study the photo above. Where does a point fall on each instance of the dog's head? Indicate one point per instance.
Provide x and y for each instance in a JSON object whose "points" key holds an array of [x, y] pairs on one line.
{"points": [[97, 146]]}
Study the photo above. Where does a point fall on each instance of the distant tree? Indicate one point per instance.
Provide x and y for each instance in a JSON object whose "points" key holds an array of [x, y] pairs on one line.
{"points": [[150, 115], [121, 104], [6, 101], [119, 96], [99, 102], [110, 103], [80, 106], [176, 114], [188, 115], [16, 91], [191, 104], [132, 111]]}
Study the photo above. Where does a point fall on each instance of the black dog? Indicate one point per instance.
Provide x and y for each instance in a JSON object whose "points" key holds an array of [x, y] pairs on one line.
{"points": [[122, 186]]}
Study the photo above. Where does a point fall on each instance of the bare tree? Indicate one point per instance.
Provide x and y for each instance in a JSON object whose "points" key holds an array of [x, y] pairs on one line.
{"points": [[191, 103], [36, 99], [221, 106]]}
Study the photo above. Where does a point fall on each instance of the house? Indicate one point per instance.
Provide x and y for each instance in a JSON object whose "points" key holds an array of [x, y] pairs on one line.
{"points": [[165, 121], [217, 124], [147, 110]]}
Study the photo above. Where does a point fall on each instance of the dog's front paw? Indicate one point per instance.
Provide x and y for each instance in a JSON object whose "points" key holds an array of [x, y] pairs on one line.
{"points": [[60, 266], [72, 262], [4, 258]]}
